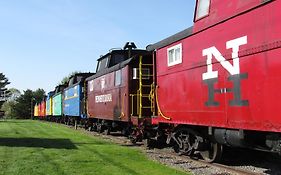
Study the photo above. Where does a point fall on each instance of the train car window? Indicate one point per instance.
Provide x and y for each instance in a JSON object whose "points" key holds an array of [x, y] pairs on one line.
{"points": [[203, 7], [118, 78], [116, 58], [71, 81], [102, 64], [65, 94], [91, 85], [174, 55], [79, 78], [75, 91], [145, 73]]}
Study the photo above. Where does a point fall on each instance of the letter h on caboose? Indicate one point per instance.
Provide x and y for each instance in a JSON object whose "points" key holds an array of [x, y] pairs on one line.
{"points": [[211, 76]]}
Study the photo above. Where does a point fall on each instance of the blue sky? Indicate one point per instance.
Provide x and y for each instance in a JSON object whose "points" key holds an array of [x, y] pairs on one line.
{"points": [[42, 41]]}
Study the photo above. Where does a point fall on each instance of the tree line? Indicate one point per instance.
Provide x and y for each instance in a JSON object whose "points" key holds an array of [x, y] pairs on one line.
{"points": [[14, 104], [20, 105]]}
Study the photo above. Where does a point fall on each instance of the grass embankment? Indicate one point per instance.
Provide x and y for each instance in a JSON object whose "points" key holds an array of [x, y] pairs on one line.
{"points": [[34, 147]]}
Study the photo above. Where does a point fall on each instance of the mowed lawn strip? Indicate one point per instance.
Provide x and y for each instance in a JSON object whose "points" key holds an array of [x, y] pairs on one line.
{"points": [[34, 147]]}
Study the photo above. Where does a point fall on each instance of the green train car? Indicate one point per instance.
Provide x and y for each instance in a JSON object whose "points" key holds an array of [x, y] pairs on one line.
{"points": [[58, 101]]}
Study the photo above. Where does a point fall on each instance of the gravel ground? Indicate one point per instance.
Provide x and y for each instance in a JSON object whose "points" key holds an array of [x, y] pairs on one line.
{"points": [[256, 162], [183, 163]]}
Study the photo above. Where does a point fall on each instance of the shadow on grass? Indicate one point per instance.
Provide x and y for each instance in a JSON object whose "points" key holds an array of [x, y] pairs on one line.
{"points": [[38, 143]]}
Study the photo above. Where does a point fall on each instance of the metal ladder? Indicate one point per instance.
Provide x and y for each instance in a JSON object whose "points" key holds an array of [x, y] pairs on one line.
{"points": [[140, 92]]}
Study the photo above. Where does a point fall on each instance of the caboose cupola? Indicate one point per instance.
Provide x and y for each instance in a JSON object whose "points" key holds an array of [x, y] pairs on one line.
{"points": [[211, 12]]}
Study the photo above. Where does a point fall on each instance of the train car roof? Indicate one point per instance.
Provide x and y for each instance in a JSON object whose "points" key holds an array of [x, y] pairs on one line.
{"points": [[110, 69], [116, 51], [76, 82], [118, 66], [176, 37], [82, 74], [50, 94], [60, 88]]}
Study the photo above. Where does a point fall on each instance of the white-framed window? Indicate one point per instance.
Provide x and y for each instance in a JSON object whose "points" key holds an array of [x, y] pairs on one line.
{"points": [[174, 55], [118, 78], [203, 7], [145, 73]]}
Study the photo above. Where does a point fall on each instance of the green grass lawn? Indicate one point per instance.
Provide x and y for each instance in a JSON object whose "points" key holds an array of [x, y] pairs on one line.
{"points": [[34, 147]]}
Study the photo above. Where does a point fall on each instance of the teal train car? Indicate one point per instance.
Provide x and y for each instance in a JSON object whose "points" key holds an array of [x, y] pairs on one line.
{"points": [[58, 101]]}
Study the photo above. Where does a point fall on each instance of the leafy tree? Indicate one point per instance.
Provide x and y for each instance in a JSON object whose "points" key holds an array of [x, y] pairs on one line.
{"points": [[13, 94], [23, 106], [38, 95], [66, 78], [9, 106]]}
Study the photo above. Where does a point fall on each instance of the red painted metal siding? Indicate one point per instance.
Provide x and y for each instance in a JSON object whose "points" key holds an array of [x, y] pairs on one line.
{"points": [[222, 10], [104, 88], [42, 109], [259, 59]]}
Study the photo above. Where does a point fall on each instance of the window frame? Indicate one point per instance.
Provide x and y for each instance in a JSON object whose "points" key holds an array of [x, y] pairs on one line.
{"points": [[135, 75], [118, 72], [196, 11], [174, 62], [105, 65]]}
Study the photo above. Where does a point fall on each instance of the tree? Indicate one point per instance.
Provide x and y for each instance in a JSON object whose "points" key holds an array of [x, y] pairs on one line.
{"points": [[3, 90], [9, 105], [23, 106], [8, 108], [13, 94], [3, 82], [66, 78], [38, 95]]}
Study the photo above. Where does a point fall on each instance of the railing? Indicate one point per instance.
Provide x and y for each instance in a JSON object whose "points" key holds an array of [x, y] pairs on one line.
{"points": [[140, 92]]}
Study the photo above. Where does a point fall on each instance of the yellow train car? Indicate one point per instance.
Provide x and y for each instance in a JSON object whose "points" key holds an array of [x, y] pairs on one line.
{"points": [[36, 110]]}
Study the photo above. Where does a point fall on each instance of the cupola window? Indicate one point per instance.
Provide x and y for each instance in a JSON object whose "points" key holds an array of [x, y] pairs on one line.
{"points": [[203, 7]]}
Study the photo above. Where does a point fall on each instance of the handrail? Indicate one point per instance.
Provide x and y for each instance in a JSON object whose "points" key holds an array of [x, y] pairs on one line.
{"points": [[122, 106], [157, 102]]}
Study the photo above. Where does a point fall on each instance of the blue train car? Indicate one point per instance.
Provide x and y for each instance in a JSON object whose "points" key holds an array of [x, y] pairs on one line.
{"points": [[73, 101]]}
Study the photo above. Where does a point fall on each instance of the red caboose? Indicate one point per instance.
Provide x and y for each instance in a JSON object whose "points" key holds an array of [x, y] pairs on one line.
{"points": [[118, 88], [222, 79], [42, 109]]}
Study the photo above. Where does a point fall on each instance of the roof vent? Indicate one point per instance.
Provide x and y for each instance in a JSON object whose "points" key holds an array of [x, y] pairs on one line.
{"points": [[129, 46]]}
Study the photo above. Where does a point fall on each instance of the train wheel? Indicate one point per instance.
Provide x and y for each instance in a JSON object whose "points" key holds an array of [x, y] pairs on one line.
{"points": [[213, 152], [107, 131], [75, 124], [99, 128], [185, 141]]}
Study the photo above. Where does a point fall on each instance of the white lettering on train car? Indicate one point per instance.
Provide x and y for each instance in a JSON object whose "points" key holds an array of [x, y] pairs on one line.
{"points": [[213, 51], [103, 98], [91, 85]]}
